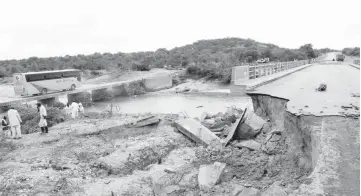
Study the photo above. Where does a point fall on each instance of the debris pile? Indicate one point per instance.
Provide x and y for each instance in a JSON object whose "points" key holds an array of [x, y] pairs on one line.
{"points": [[321, 87]]}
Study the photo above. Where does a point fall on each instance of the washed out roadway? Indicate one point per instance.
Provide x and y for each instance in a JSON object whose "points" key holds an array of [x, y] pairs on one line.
{"points": [[340, 138]]}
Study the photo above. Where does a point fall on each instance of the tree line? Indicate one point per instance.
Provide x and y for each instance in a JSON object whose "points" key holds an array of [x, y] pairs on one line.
{"points": [[351, 51], [218, 55]]}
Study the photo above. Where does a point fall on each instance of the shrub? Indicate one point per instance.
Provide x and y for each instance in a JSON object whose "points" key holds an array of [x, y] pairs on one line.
{"points": [[142, 67], [135, 88], [31, 118], [59, 105], [85, 98]]}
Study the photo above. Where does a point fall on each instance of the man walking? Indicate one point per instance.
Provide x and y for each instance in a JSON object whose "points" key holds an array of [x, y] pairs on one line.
{"points": [[42, 123], [14, 122]]}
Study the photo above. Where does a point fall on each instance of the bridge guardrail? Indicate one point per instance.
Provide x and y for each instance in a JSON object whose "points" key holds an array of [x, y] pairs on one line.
{"points": [[259, 70]]}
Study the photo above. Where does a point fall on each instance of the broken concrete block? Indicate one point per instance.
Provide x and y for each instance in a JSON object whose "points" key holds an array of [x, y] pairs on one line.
{"points": [[275, 190], [250, 192], [237, 190], [251, 126], [147, 121], [250, 144], [209, 175], [196, 131], [203, 116], [232, 129], [189, 180]]}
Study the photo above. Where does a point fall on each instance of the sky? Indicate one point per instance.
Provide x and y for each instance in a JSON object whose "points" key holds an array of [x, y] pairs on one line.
{"points": [[45, 28]]}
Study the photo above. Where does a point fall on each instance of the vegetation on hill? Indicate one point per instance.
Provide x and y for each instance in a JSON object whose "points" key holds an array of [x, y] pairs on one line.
{"points": [[351, 51], [209, 58]]}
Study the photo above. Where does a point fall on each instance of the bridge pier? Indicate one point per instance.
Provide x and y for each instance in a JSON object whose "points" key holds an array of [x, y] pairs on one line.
{"points": [[158, 82], [119, 90], [101, 94], [82, 97], [49, 101]]}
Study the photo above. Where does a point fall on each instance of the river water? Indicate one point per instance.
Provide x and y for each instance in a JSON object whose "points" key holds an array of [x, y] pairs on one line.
{"points": [[192, 105]]}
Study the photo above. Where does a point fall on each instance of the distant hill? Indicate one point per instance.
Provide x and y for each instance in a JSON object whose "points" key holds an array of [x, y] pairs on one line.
{"points": [[207, 54]]}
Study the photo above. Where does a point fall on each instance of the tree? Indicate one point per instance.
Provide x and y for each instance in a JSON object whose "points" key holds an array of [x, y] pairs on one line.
{"points": [[308, 49]]}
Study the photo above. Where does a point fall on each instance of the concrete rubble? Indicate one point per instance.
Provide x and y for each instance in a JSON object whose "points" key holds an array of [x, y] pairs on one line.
{"points": [[275, 190], [196, 131], [251, 126], [240, 190], [209, 175], [146, 121], [250, 144]]}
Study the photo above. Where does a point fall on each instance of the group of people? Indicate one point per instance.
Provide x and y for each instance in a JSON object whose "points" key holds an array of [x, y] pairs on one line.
{"points": [[74, 110], [12, 123]]}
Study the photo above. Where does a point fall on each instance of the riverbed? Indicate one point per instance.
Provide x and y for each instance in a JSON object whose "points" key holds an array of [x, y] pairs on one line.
{"points": [[191, 105]]}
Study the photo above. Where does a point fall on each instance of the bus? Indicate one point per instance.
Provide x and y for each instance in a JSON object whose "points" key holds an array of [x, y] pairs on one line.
{"points": [[41, 83]]}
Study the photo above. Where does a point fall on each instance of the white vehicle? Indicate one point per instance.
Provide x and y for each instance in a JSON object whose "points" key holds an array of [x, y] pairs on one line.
{"points": [[35, 83]]}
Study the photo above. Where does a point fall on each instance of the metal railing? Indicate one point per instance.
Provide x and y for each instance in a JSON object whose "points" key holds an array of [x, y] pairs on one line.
{"points": [[259, 70]]}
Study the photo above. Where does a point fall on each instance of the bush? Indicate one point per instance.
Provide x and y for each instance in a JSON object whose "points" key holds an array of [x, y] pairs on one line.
{"points": [[138, 67], [31, 118], [84, 98], [135, 88], [59, 105], [210, 73]]}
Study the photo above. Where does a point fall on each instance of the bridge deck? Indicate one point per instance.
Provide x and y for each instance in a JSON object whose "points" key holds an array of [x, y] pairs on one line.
{"points": [[10, 98], [342, 80]]}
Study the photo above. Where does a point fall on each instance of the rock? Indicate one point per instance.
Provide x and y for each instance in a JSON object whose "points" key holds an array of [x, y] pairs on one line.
{"points": [[250, 144], [189, 180], [275, 138], [209, 121], [169, 170], [209, 175], [250, 192], [251, 126], [237, 190], [171, 189], [275, 190]]}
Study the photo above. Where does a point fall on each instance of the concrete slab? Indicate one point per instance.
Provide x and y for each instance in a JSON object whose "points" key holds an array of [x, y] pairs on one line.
{"points": [[233, 128], [196, 131]]}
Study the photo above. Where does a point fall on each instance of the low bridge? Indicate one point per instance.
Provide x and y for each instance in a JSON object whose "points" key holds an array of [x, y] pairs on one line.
{"points": [[151, 83]]}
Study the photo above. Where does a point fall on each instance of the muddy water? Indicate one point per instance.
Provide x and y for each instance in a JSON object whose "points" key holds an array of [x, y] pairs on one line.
{"points": [[192, 105]]}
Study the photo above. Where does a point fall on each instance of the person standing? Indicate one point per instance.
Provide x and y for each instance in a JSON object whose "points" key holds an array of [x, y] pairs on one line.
{"points": [[5, 126], [67, 109], [81, 110], [15, 122], [42, 123], [74, 110]]}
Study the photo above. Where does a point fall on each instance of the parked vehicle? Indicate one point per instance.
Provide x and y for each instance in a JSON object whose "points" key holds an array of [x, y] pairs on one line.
{"points": [[264, 60], [35, 83], [340, 57]]}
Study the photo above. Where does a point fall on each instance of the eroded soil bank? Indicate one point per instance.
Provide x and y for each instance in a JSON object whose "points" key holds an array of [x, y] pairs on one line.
{"points": [[329, 146]]}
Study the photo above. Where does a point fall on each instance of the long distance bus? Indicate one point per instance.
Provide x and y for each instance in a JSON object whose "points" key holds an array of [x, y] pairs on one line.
{"points": [[40, 83]]}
